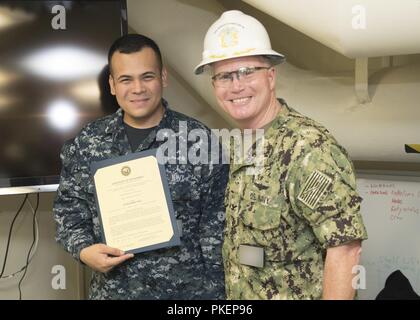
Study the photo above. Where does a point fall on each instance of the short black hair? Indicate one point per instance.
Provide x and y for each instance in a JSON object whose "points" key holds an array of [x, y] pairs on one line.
{"points": [[131, 43]]}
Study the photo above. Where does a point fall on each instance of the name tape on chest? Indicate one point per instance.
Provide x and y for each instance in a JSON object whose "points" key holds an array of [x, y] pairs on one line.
{"points": [[251, 256], [314, 188]]}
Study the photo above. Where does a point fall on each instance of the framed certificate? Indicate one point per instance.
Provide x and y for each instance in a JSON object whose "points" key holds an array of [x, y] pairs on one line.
{"points": [[134, 203]]}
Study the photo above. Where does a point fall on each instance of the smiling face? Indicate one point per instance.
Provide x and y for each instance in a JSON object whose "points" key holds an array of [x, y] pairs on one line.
{"points": [[251, 103], [137, 82]]}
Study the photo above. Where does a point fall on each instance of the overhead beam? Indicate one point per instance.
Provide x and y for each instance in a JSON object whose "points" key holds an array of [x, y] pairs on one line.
{"points": [[361, 80]]}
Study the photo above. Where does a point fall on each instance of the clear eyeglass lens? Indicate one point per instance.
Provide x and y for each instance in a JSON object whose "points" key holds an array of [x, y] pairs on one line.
{"points": [[245, 73], [225, 77]]}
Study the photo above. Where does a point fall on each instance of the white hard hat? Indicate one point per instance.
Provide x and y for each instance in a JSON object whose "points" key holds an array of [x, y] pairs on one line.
{"points": [[234, 35]]}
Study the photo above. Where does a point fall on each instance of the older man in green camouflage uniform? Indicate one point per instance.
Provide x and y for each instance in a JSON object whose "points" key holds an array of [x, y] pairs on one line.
{"points": [[192, 270], [293, 226]]}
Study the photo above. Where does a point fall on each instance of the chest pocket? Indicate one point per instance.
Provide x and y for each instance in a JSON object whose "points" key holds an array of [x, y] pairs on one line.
{"points": [[263, 225], [260, 213], [262, 208]]}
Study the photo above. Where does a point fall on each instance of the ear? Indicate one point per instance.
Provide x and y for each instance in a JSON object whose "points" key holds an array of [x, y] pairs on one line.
{"points": [[111, 85], [272, 78], [164, 77]]}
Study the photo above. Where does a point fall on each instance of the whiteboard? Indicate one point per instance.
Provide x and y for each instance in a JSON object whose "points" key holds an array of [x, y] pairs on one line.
{"points": [[391, 212]]}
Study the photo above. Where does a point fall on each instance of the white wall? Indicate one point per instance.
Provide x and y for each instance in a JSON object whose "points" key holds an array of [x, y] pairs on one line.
{"points": [[37, 283], [182, 98]]}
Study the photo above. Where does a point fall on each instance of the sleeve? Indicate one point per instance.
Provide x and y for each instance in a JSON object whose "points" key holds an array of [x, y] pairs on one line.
{"points": [[74, 228], [322, 190], [212, 220]]}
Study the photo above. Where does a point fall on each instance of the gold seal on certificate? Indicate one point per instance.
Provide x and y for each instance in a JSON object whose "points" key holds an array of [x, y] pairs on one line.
{"points": [[134, 203]]}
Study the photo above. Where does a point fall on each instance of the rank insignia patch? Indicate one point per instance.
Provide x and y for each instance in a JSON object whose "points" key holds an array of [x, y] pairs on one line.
{"points": [[314, 188]]}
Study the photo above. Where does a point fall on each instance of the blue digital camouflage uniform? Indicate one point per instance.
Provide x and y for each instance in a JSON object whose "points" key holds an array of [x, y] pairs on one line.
{"points": [[302, 200], [193, 270]]}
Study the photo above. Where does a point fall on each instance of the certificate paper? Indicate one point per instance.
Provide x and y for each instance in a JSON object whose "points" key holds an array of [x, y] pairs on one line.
{"points": [[134, 203]]}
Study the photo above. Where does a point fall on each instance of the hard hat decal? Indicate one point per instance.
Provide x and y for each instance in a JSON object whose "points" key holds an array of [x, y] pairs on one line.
{"points": [[229, 37], [214, 56], [240, 53]]}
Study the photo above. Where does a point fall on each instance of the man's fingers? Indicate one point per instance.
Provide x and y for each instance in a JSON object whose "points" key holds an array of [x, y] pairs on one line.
{"points": [[113, 261], [112, 251]]}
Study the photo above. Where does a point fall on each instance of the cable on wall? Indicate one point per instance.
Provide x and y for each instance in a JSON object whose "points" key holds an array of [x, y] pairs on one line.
{"points": [[32, 245], [13, 274], [10, 235]]}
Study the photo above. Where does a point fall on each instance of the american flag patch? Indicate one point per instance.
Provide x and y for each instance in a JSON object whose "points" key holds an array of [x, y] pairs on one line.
{"points": [[314, 188]]}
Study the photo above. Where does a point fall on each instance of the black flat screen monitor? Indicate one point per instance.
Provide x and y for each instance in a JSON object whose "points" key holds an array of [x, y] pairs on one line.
{"points": [[53, 80]]}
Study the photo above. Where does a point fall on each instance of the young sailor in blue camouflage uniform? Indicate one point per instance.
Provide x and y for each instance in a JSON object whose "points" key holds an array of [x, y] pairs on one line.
{"points": [[293, 226], [192, 270]]}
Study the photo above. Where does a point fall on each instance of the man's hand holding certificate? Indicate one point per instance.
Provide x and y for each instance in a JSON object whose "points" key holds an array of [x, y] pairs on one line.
{"points": [[103, 258], [134, 203]]}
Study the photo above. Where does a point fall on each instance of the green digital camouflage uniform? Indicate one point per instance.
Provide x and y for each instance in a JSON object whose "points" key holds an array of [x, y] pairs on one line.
{"points": [[302, 201]]}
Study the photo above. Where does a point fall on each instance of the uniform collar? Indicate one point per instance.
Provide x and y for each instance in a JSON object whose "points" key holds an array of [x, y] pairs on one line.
{"points": [[281, 116], [117, 136], [116, 124], [279, 120]]}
